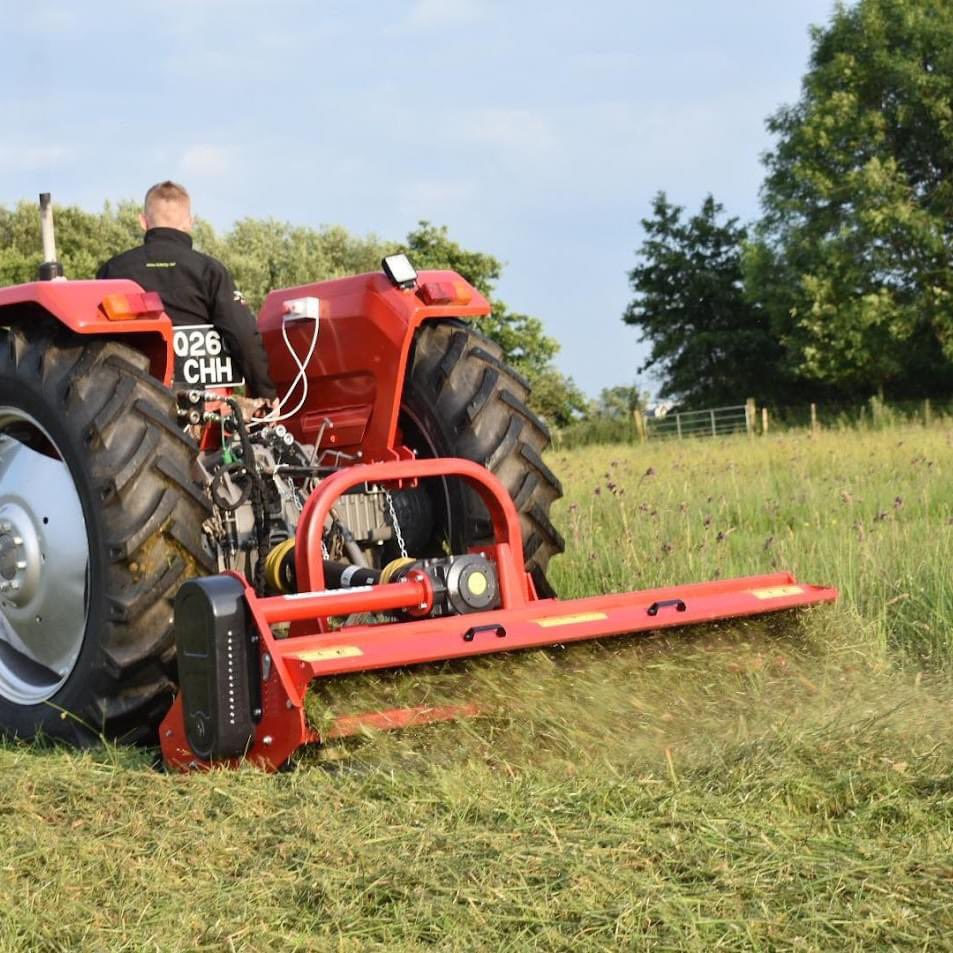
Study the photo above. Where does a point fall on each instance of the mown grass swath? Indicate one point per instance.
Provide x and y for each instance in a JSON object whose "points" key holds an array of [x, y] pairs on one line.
{"points": [[765, 784]]}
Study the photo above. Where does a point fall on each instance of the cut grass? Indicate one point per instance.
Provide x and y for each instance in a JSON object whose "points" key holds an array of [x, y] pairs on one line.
{"points": [[776, 783]]}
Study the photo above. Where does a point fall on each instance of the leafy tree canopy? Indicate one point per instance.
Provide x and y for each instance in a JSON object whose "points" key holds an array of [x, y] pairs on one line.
{"points": [[264, 254], [619, 402], [854, 256], [710, 345], [84, 240]]}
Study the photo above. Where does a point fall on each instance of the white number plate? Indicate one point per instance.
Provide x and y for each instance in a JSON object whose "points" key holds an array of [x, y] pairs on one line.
{"points": [[201, 359]]}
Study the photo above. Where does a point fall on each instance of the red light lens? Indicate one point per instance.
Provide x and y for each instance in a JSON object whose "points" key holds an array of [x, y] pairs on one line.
{"points": [[437, 292]]}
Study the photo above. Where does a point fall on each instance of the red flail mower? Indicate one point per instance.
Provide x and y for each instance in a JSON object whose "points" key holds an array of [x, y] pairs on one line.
{"points": [[156, 546]]}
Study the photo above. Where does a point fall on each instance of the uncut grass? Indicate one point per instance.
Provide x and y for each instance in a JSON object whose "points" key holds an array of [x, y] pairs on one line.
{"points": [[868, 512], [770, 783]]}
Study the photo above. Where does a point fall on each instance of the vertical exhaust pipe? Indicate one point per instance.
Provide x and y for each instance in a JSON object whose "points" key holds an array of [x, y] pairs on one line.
{"points": [[51, 269]]}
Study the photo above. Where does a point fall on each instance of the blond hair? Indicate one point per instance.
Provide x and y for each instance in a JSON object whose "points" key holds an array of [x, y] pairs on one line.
{"points": [[168, 204]]}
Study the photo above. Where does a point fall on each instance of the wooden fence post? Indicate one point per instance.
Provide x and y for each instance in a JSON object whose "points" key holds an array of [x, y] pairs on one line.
{"points": [[927, 413], [714, 430], [750, 412], [813, 418], [764, 420], [640, 428], [678, 424]]}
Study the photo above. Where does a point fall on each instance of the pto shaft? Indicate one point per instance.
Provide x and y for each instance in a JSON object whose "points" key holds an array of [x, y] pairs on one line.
{"points": [[412, 592]]}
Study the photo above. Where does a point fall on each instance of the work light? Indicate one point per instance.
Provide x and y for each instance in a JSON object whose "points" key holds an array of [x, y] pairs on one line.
{"points": [[399, 269]]}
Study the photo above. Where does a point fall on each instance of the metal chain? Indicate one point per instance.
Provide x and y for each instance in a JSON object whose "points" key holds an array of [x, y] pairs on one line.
{"points": [[395, 523]]}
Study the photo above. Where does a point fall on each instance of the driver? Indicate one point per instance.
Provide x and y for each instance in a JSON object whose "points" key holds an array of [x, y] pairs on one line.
{"points": [[195, 288]]}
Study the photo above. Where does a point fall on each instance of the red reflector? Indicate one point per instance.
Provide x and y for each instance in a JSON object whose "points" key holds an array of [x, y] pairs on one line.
{"points": [[151, 302], [123, 307], [437, 292]]}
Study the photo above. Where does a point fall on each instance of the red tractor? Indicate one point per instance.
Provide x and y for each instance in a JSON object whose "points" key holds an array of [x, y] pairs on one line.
{"points": [[403, 475]]}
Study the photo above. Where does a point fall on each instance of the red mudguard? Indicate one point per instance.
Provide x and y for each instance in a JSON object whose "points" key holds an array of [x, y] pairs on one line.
{"points": [[356, 375], [77, 306], [357, 372]]}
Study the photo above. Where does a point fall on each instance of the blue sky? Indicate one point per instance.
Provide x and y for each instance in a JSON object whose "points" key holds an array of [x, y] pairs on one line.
{"points": [[537, 131]]}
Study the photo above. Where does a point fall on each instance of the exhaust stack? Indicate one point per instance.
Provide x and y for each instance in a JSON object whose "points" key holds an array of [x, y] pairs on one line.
{"points": [[51, 269]]}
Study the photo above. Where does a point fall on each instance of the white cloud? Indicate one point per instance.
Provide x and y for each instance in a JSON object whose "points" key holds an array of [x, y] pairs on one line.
{"points": [[435, 13], [516, 131], [205, 160]]}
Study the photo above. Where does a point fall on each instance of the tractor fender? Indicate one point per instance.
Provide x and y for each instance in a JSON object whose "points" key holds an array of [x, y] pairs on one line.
{"points": [[77, 305], [356, 374]]}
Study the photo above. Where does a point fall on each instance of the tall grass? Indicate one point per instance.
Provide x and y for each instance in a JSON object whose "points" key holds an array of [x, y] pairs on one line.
{"points": [[773, 783], [868, 512]]}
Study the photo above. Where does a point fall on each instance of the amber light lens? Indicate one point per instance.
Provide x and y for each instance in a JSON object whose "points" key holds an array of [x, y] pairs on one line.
{"points": [[119, 307]]}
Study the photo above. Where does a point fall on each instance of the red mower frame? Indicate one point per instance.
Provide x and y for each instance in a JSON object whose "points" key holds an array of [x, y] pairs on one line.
{"points": [[315, 650]]}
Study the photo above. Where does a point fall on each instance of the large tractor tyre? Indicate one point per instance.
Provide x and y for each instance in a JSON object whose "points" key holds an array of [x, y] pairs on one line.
{"points": [[100, 523], [461, 400]]}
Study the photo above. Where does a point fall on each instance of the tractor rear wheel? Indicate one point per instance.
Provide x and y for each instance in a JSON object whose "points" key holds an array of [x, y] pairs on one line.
{"points": [[100, 522], [461, 400]]}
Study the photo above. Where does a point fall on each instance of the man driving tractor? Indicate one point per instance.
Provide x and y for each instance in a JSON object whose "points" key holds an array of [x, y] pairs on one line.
{"points": [[195, 288]]}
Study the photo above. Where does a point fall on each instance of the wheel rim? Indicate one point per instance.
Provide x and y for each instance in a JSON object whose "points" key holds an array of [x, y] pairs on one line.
{"points": [[44, 563]]}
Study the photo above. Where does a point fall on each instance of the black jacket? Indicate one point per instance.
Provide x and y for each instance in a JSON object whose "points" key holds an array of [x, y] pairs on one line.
{"points": [[196, 289]]}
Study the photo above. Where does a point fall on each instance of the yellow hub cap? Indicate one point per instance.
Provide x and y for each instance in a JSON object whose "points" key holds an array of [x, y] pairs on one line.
{"points": [[477, 583]]}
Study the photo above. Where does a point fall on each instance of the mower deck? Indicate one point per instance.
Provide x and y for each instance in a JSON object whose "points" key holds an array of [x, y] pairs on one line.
{"points": [[239, 621]]}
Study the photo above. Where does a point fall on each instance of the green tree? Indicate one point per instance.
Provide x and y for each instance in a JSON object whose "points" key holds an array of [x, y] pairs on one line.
{"points": [[84, 240], [619, 402], [264, 254], [525, 344], [709, 343], [853, 257]]}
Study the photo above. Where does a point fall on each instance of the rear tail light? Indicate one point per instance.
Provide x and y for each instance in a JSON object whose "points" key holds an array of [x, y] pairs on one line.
{"points": [[445, 292], [122, 307]]}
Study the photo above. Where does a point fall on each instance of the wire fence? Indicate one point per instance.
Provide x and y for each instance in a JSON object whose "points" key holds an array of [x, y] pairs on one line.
{"points": [[712, 422], [753, 419], [873, 413]]}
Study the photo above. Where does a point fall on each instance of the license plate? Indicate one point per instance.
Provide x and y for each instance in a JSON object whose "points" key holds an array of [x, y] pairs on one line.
{"points": [[201, 359]]}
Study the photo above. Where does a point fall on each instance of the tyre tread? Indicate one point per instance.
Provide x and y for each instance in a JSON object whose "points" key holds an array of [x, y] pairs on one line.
{"points": [[137, 462], [480, 401]]}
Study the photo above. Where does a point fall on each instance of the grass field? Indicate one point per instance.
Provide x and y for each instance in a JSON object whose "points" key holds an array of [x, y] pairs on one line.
{"points": [[778, 783]]}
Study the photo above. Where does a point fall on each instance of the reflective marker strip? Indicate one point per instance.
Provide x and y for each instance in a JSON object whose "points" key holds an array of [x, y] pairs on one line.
{"points": [[325, 655], [555, 620], [776, 592], [325, 592]]}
